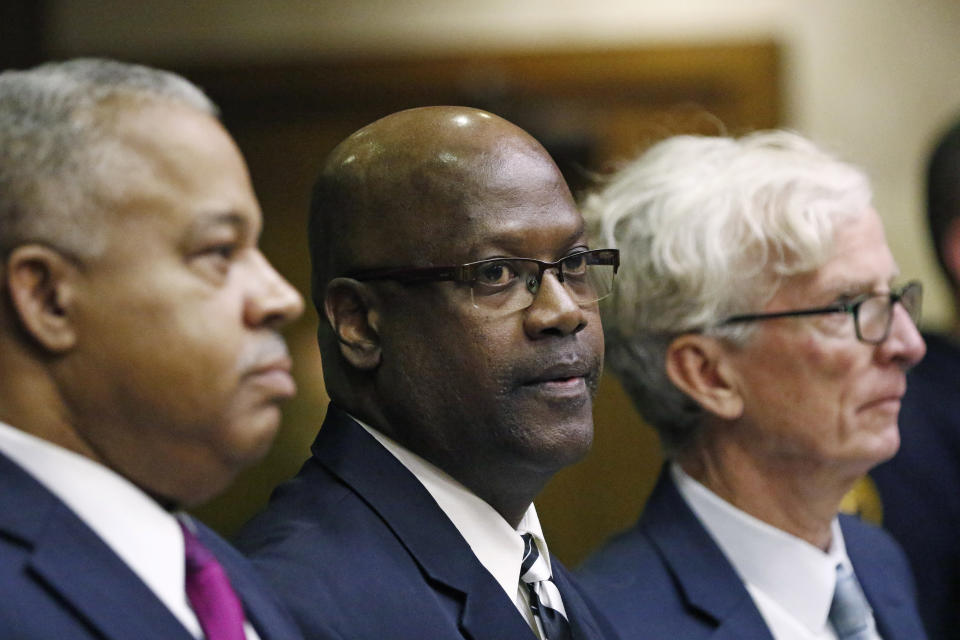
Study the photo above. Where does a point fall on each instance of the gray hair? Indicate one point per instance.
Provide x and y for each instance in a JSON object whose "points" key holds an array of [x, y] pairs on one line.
{"points": [[57, 154], [709, 227]]}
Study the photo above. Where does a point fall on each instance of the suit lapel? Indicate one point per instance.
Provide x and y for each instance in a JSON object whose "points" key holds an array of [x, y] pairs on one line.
{"points": [[346, 449], [76, 565], [893, 609], [579, 613], [706, 579]]}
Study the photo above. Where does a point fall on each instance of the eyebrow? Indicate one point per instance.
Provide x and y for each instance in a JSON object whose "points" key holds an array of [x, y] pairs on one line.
{"points": [[851, 287], [234, 219], [505, 240]]}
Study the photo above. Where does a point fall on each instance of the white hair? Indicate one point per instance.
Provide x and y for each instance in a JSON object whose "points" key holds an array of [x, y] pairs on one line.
{"points": [[708, 227], [58, 156]]}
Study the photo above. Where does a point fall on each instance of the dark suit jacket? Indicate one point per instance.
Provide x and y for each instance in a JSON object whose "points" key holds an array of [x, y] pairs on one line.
{"points": [[667, 578], [58, 579], [356, 542], [919, 485]]}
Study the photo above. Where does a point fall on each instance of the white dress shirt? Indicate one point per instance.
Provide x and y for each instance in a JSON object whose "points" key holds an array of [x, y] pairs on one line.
{"points": [[144, 535], [497, 545], [790, 580]]}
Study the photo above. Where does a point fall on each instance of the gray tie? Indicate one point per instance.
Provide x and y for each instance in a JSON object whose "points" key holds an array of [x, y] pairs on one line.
{"points": [[850, 613]]}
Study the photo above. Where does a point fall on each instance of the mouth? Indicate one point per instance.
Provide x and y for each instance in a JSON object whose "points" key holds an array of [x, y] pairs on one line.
{"points": [[274, 377], [565, 379], [889, 401]]}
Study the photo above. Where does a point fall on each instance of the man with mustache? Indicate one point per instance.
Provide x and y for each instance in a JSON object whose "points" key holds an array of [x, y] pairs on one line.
{"points": [[140, 361], [461, 347], [760, 325]]}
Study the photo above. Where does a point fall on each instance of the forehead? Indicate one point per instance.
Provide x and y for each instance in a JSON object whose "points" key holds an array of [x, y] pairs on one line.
{"points": [[516, 204], [860, 262], [174, 164]]}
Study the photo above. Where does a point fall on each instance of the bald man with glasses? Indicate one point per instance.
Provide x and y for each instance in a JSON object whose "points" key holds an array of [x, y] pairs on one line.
{"points": [[759, 327], [461, 344]]}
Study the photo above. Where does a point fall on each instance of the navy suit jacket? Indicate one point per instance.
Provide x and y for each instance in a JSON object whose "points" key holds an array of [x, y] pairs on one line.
{"points": [[356, 542], [58, 579], [919, 485], [667, 578]]}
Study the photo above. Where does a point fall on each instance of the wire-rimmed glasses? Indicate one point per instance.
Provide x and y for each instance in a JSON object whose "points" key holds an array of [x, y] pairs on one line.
{"points": [[872, 312]]}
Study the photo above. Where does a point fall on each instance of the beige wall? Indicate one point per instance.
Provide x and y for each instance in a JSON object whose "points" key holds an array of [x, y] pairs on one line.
{"points": [[873, 79]]}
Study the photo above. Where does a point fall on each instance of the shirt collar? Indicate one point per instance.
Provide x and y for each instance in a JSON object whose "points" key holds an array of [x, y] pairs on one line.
{"points": [[497, 545], [145, 536], [798, 576]]}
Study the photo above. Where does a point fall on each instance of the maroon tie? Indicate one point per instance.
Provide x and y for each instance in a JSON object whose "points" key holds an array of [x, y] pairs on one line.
{"points": [[216, 605]]}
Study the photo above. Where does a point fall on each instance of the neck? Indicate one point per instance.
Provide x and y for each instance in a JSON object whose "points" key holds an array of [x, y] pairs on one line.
{"points": [[787, 493], [507, 485], [31, 402], [512, 505]]}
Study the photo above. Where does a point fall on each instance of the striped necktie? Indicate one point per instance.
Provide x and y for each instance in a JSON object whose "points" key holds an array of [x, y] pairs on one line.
{"points": [[850, 613], [211, 597], [545, 599]]}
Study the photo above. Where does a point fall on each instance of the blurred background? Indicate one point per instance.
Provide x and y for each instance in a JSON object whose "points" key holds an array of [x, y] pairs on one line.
{"points": [[876, 81]]}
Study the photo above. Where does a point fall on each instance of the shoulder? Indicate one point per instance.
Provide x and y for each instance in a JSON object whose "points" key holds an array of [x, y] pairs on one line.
{"points": [[635, 589], [582, 610], [870, 543], [261, 605], [311, 521], [877, 558], [326, 551], [623, 561]]}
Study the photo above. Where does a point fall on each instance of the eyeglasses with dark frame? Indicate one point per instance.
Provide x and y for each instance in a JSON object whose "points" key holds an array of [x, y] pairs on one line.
{"points": [[872, 312], [587, 276]]}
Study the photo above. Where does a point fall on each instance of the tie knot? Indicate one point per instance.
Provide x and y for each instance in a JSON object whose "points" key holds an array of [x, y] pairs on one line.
{"points": [[197, 556], [545, 601], [534, 567], [850, 613]]}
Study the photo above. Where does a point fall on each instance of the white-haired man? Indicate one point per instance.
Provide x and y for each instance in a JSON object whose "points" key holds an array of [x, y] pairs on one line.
{"points": [[759, 327]]}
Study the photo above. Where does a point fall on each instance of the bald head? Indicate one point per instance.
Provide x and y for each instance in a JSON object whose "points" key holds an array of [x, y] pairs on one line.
{"points": [[400, 190], [442, 363]]}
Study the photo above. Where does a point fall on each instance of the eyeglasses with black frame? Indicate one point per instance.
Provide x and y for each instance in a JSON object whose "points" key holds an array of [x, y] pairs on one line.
{"points": [[872, 313], [495, 283]]}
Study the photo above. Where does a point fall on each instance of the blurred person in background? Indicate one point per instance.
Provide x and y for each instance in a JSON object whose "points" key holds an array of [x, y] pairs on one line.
{"points": [[760, 326], [141, 364], [919, 486]]}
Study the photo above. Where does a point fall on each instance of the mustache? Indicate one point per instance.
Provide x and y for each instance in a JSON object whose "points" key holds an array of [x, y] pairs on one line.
{"points": [[271, 351], [560, 364]]}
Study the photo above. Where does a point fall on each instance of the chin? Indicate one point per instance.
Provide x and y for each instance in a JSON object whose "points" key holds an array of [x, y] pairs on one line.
{"points": [[881, 447], [195, 489], [567, 445], [251, 439]]}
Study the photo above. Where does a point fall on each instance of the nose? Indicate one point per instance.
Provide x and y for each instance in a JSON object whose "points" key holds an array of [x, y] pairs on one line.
{"points": [[553, 310], [904, 345], [271, 301]]}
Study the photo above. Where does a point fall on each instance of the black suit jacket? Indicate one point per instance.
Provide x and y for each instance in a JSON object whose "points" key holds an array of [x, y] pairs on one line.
{"points": [[58, 579], [356, 543], [667, 578]]}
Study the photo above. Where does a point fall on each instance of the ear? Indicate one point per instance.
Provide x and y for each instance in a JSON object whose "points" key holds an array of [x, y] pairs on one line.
{"points": [[950, 246], [42, 287], [698, 365], [349, 310]]}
